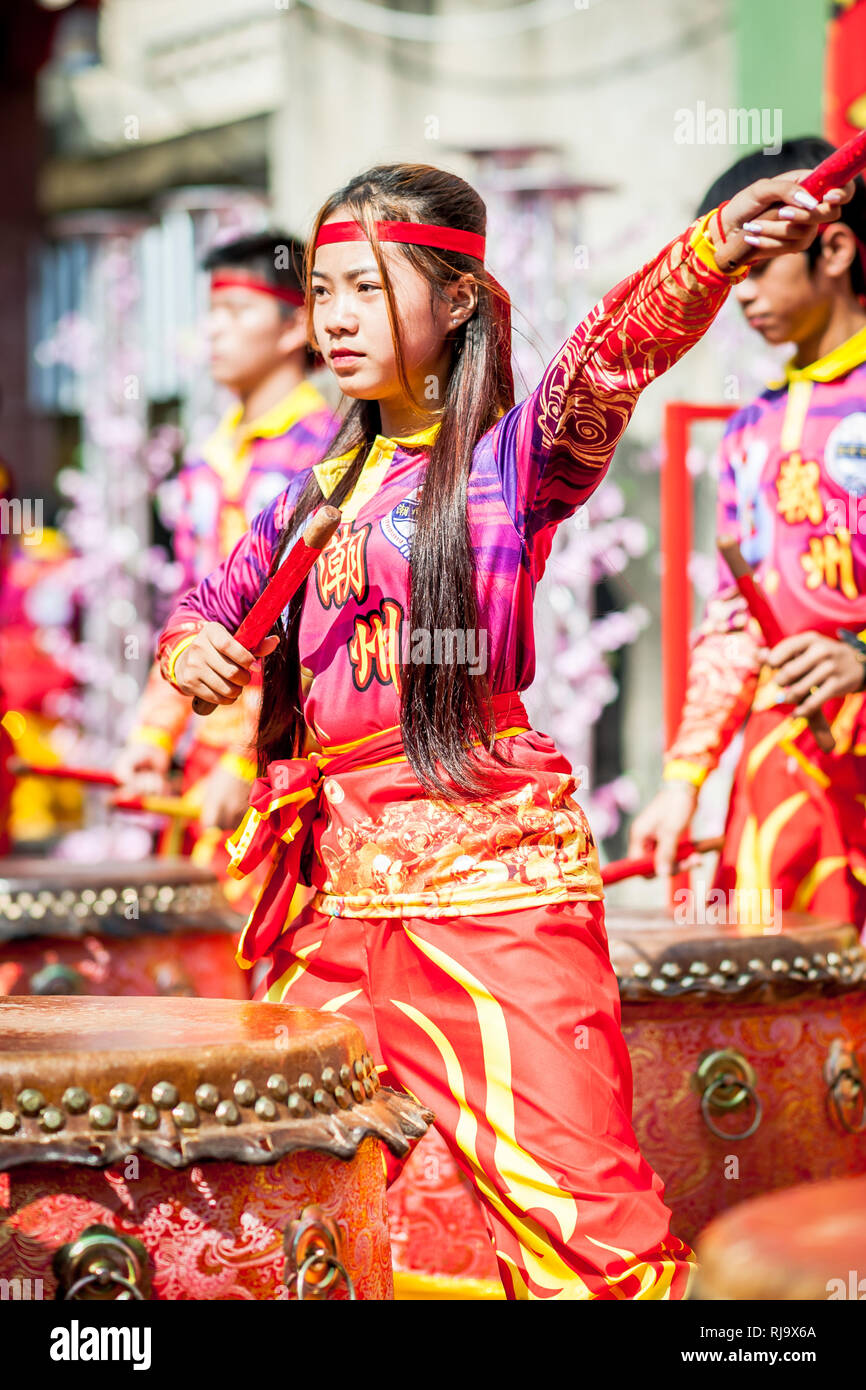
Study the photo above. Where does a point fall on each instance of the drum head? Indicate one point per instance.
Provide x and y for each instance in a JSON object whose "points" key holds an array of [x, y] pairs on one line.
{"points": [[53, 897], [657, 956], [177, 1079]]}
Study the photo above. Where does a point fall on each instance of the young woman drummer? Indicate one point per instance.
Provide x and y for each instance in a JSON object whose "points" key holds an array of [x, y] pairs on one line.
{"points": [[458, 914]]}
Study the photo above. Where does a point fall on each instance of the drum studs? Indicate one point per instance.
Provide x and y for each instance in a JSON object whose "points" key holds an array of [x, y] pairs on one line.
{"points": [[717, 981], [31, 1101], [687, 981], [9, 1122], [361, 1068], [227, 1113], [278, 1086], [801, 963], [369, 1087], [146, 1115], [265, 1108], [780, 966], [329, 1079], [306, 1085], [244, 1092], [123, 1096], [699, 967], [368, 1063], [833, 958], [52, 1118], [342, 1097], [727, 966], [296, 1105], [671, 969], [345, 1073], [659, 985], [743, 980], [165, 1095], [357, 1091], [756, 964], [642, 969], [102, 1117], [819, 958], [321, 1099], [185, 1115], [207, 1096], [76, 1100]]}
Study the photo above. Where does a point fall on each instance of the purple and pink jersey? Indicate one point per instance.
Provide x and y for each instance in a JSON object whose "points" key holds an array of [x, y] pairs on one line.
{"points": [[404, 853]]}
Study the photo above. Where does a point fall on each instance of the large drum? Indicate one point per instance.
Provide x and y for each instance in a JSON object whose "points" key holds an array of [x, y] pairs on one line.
{"points": [[157, 926], [192, 1149], [749, 1057], [806, 1243]]}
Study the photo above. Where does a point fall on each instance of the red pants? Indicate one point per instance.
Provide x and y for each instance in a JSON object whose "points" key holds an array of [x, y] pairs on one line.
{"points": [[797, 822], [508, 1027]]}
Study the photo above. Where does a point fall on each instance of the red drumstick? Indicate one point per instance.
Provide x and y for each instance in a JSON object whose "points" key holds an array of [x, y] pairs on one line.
{"points": [[835, 171], [760, 609], [178, 806], [75, 774], [618, 869], [279, 590]]}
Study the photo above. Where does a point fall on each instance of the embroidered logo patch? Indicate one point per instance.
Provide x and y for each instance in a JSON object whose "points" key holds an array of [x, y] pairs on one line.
{"points": [[845, 454], [399, 525]]}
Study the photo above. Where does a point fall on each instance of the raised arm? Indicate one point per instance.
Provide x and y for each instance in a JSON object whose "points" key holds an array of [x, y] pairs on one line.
{"points": [[554, 449]]}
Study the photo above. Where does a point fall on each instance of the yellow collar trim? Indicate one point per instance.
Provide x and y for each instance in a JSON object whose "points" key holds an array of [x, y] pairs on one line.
{"points": [[842, 359], [227, 443], [330, 471]]}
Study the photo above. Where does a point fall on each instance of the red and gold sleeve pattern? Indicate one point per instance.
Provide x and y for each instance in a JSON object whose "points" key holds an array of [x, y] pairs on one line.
{"points": [[724, 665], [554, 450], [723, 678]]}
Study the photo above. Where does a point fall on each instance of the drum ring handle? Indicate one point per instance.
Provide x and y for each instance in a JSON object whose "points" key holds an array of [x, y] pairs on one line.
{"points": [[314, 1240], [98, 1277], [322, 1256], [842, 1065], [727, 1079]]}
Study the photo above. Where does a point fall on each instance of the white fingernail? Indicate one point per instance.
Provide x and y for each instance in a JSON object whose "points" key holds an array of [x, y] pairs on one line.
{"points": [[752, 227], [785, 214], [804, 199], [752, 240]]}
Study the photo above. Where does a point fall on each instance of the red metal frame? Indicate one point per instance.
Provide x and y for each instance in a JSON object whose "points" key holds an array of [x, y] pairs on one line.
{"points": [[676, 547]]}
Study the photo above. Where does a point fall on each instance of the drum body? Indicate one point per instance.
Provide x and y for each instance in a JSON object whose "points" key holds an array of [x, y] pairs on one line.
{"points": [[158, 926], [757, 1034], [805, 1243], [748, 1051], [193, 1149]]}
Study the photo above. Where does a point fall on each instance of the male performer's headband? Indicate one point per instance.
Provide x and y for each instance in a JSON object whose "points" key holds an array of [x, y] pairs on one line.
{"points": [[442, 239], [226, 280]]}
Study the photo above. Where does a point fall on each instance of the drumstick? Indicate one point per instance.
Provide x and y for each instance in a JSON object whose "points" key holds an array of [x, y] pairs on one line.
{"points": [[279, 590], [835, 171], [178, 806], [618, 869], [761, 611]]}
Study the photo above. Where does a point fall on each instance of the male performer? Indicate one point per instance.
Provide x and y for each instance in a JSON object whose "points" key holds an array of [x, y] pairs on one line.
{"points": [[793, 490], [278, 429]]}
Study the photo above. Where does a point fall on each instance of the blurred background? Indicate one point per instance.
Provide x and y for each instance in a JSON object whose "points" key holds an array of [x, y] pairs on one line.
{"points": [[135, 133]]}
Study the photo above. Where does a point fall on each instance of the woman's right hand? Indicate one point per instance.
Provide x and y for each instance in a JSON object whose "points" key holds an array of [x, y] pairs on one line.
{"points": [[215, 666]]}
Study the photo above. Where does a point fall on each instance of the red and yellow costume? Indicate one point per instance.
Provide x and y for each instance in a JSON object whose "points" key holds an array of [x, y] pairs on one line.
{"points": [[468, 939], [240, 470], [793, 490]]}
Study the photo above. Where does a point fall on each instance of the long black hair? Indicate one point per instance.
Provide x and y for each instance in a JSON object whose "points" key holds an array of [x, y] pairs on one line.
{"points": [[443, 705]]}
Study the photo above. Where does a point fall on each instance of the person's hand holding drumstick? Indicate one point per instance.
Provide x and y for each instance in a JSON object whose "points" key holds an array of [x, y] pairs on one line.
{"points": [[215, 667]]}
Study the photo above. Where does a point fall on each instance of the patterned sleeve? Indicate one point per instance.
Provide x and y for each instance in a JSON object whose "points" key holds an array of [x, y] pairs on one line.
{"points": [[724, 665], [555, 447], [227, 594]]}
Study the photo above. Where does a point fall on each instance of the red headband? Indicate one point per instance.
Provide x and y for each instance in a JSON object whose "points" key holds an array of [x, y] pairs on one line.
{"points": [[225, 280], [411, 233], [444, 239]]}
